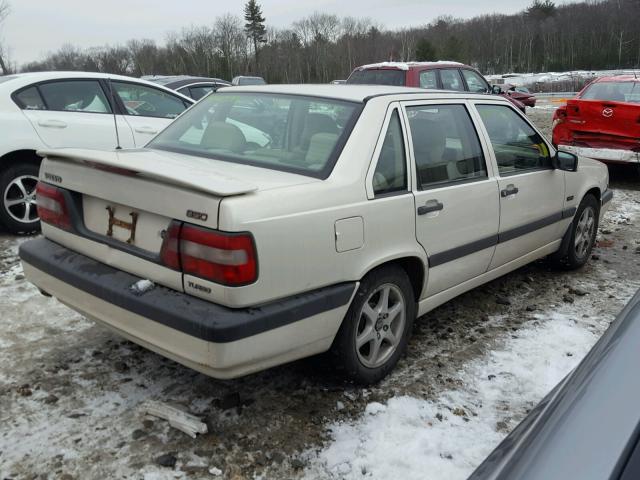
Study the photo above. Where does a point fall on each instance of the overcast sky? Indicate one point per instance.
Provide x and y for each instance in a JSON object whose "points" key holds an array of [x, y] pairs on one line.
{"points": [[36, 27]]}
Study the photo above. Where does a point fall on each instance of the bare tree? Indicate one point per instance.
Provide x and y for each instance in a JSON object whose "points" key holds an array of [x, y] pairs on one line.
{"points": [[4, 12]]}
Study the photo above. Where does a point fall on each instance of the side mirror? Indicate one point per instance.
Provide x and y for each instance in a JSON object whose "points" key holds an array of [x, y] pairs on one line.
{"points": [[496, 89], [565, 161]]}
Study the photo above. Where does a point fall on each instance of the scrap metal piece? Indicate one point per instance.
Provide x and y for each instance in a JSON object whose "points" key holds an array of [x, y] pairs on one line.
{"points": [[185, 422]]}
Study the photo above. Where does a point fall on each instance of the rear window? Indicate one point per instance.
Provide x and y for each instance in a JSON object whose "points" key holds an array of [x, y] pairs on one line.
{"points": [[613, 92], [378, 77], [283, 132]]}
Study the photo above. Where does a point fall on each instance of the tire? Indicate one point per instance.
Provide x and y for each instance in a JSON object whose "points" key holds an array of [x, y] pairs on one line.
{"points": [[17, 198], [383, 330], [581, 236]]}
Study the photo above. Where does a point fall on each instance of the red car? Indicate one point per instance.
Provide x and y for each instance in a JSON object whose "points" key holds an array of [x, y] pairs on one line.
{"points": [[521, 94], [602, 121], [442, 75]]}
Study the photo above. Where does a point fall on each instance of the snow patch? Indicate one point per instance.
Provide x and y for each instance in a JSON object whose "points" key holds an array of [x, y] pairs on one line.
{"points": [[142, 286]]}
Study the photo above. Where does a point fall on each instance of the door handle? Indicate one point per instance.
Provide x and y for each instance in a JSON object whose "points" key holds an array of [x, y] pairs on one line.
{"points": [[51, 123], [147, 130], [430, 206], [510, 190]]}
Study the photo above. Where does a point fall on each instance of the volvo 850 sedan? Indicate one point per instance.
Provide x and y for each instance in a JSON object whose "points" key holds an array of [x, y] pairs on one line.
{"points": [[359, 208]]}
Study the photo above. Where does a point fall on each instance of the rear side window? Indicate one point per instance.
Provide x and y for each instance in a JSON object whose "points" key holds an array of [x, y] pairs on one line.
{"points": [[378, 77], [475, 82], [391, 170], [445, 145], [199, 91], [30, 99], [148, 101], [450, 78], [517, 146], [75, 96], [613, 92], [428, 79]]}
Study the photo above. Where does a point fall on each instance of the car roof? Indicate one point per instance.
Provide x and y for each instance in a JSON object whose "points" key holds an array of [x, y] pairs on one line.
{"points": [[355, 93], [175, 81], [618, 78], [410, 65], [20, 80]]}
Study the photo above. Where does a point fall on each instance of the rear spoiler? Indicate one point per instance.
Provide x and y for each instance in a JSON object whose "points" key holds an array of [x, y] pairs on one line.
{"points": [[164, 168]]}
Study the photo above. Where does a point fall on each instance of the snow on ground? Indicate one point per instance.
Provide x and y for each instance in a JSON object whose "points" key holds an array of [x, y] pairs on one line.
{"points": [[412, 438], [526, 79]]}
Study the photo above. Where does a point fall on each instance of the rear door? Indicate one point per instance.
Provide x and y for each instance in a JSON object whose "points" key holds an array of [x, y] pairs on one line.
{"points": [[456, 194], [147, 109], [531, 190], [73, 113]]}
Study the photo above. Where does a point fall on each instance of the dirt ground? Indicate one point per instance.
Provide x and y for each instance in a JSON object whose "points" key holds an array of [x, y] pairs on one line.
{"points": [[70, 391]]}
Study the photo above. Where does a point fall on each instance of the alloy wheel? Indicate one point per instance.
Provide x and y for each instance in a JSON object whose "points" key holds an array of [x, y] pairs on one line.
{"points": [[380, 325], [584, 232], [19, 199]]}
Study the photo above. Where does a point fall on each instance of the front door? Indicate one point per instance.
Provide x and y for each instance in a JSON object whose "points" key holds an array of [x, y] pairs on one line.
{"points": [[147, 109], [456, 195], [531, 190]]}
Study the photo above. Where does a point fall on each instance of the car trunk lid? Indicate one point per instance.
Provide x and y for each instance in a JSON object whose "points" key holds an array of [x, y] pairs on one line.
{"points": [[604, 124]]}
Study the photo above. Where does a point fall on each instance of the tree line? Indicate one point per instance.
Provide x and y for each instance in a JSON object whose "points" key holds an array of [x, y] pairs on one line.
{"points": [[321, 47]]}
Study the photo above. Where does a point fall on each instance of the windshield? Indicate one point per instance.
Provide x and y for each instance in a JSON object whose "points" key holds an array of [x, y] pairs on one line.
{"points": [[378, 77], [283, 132], [613, 92]]}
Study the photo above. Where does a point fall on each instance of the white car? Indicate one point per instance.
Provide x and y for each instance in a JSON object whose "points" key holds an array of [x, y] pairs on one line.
{"points": [[70, 109], [368, 207]]}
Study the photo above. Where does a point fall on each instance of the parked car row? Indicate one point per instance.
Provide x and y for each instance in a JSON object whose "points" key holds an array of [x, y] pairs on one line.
{"points": [[278, 222]]}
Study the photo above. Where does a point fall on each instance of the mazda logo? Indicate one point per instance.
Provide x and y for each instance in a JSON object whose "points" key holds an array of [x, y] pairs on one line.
{"points": [[607, 112]]}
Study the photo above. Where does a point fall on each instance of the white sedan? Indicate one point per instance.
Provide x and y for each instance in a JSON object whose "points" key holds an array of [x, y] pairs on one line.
{"points": [[366, 207], [70, 109]]}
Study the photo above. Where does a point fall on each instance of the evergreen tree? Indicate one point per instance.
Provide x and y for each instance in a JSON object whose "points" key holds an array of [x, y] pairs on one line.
{"points": [[254, 28], [425, 51]]}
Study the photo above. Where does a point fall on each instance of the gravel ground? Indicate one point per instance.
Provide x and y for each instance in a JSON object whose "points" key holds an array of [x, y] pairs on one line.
{"points": [[70, 391]]}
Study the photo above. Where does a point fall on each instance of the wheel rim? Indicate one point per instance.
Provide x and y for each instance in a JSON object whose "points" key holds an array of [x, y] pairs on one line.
{"points": [[585, 229], [19, 199], [380, 325]]}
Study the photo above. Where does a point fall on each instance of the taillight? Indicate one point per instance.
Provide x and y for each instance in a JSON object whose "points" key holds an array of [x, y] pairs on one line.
{"points": [[225, 258], [52, 207]]}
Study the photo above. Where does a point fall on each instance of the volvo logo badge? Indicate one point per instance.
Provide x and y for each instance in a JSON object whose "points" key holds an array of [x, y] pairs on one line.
{"points": [[607, 112]]}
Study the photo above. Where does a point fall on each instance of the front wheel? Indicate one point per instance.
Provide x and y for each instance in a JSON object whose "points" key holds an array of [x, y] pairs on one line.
{"points": [[582, 234], [18, 210], [376, 328]]}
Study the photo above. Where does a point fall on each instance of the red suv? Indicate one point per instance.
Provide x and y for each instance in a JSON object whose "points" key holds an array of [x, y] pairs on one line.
{"points": [[602, 121], [442, 75]]}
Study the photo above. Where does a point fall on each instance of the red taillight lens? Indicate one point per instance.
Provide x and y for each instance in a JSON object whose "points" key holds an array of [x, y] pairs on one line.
{"points": [[225, 258], [52, 207]]}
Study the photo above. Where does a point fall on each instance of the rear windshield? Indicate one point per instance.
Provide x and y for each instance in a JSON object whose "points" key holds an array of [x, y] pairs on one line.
{"points": [[613, 92], [378, 77], [283, 132]]}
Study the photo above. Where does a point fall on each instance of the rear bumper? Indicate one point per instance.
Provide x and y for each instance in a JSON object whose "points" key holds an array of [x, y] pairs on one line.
{"points": [[219, 341], [610, 155]]}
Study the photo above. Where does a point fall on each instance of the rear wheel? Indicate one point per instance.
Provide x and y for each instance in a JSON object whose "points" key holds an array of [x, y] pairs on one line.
{"points": [[376, 329], [18, 211]]}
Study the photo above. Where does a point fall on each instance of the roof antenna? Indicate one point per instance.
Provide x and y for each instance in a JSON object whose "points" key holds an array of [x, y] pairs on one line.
{"points": [[113, 110]]}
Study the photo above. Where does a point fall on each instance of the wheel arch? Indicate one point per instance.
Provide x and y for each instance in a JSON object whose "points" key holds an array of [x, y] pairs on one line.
{"points": [[413, 266], [19, 156]]}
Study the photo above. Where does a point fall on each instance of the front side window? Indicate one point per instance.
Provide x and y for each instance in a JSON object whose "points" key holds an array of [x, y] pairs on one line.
{"points": [[613, 92], [148, 101], [445, 145], [30, 99], [283, 132], [475, 82], [428, 79], [391, 170], [450, 78], [517, 146], [75, 96]]}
